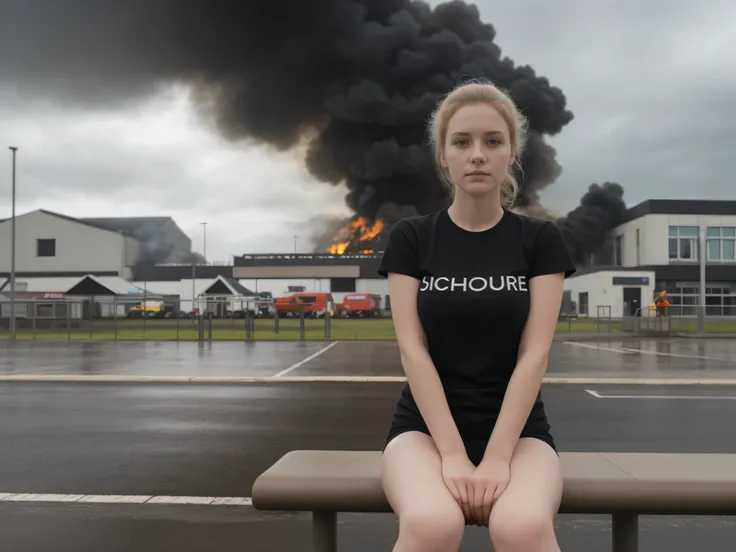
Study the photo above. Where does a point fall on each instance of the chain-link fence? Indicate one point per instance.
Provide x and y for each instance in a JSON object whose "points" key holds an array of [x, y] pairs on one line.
{"points": [[672, 320], [250, 319], [603, 322], [245, 319]]}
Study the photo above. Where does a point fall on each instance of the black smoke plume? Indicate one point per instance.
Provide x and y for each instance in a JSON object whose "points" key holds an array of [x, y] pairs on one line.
{"points": [[360, 76], [601, 208]]}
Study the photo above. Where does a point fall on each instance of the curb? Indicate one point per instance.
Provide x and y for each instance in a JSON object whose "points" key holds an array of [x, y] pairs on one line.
{"points": [[550, 380]]}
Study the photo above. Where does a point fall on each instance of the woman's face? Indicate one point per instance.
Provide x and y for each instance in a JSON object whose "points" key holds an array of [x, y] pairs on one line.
{"points": [[477, 149]]}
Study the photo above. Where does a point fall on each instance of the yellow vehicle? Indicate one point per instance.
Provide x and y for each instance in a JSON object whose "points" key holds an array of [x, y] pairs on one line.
{"points": [[149, 310]]}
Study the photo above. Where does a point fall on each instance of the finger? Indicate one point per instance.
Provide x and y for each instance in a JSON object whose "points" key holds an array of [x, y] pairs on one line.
{"points": [[454, 492], [471, 501], [487, 504], [478, 493], [463, 490]]}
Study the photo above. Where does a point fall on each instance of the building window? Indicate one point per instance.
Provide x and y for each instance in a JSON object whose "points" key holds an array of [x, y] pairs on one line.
{"points": [[338, 285], [46, 248], [720, 298], [618, 251], [721, 243], [638, 250], [583, 304], [683, 243]]}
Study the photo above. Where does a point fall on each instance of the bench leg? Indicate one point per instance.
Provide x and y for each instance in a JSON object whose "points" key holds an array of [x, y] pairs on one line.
{"points": [[625, 533], [324, 531]]}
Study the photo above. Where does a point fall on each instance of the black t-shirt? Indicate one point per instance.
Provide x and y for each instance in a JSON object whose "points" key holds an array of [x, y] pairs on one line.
{"points": [[473, 297]]}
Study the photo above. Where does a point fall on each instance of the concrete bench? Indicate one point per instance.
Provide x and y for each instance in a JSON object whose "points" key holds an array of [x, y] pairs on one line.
{"points": [[624, 485]]}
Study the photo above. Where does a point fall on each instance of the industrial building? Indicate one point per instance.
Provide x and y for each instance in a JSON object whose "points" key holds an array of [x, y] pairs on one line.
{"points": [[655, 248]]}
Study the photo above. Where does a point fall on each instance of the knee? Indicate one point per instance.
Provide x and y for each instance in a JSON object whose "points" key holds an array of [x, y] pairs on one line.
{"points": [[426, 529], [521, 530]]}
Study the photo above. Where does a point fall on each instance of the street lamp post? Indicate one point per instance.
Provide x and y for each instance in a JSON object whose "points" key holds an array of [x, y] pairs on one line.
{"points": [[204, 252], [703, 251], [12, 252]]}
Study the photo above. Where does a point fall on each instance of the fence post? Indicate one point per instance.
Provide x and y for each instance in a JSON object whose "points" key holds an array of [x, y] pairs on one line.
{"points": [[301, 322], [115, 316], [209, 326], [328, 325]]}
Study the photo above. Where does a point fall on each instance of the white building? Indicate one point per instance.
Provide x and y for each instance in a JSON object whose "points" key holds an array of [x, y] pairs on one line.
{"points": [[656, 249], [51, 244]]}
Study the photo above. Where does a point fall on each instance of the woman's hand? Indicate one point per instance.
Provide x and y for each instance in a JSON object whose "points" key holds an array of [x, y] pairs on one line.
{"points": [[486, 484], [456, 471]]}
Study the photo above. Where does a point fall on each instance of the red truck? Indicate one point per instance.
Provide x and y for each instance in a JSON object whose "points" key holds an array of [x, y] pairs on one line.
{"points": [[360, 304]]}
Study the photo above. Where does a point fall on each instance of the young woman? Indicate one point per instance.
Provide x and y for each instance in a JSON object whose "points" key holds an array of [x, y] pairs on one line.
{"points": [[475, 295]]}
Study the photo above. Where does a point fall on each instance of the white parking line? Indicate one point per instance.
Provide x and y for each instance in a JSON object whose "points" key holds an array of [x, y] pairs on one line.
{"points": [[597, 347], [631, 351], [128, 499], [677, 355], [301, 362], [663, 397]]}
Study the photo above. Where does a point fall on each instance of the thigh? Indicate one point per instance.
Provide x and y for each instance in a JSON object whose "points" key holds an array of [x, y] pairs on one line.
{"points": [[411, 474], [535, 484]]}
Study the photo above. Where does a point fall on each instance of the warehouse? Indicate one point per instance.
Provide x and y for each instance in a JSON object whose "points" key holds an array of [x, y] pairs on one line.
{"points": [[54, 245]]}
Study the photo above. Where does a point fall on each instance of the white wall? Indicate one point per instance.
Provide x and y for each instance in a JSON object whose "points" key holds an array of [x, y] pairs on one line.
{"points": [[79, 247], [602, 292]]}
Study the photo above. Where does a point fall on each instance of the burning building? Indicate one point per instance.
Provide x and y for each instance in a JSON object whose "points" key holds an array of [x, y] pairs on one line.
{"points": [[354, 80], [358, 236]]}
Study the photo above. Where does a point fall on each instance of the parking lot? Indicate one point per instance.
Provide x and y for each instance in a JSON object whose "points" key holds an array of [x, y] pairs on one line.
{"points": [[113, 446]]}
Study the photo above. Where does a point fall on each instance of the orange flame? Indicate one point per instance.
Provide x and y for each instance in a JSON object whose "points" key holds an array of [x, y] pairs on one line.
{"points": [[359, 228]]}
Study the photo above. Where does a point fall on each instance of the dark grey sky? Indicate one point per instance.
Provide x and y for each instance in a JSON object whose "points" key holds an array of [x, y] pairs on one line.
{"points": [[652, 86]]}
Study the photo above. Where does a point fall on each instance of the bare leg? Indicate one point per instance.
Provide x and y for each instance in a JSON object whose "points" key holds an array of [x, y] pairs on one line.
{"points": [[429, 518], [522, 520]]}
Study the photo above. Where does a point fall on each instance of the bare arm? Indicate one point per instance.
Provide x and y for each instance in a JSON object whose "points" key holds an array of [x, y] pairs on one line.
{"points": [[546, 297], [418, 366]]}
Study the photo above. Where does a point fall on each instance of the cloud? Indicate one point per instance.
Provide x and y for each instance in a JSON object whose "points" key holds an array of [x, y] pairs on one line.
{"points": [[649, 83], [651, 88], [157, 159]]}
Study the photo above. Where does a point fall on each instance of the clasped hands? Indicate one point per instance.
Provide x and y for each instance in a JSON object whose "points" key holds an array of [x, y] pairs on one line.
{"points": [[476, 489]]}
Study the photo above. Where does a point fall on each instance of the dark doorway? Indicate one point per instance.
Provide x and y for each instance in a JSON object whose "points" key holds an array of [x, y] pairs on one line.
{"points": [[632, 300]]}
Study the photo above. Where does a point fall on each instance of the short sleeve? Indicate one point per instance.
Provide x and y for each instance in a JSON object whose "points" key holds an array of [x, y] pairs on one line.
{"points": [[551, 254], [401, 251]]}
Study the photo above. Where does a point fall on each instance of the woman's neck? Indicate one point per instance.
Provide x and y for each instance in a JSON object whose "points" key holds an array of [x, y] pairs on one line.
{"points": [[475, 214]]}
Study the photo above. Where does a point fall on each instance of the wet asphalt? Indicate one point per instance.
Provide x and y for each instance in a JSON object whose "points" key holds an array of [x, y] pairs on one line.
{"points": [[676, 358], [215, 439]]}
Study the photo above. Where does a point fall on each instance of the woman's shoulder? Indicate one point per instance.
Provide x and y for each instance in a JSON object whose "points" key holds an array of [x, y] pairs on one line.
{"points": [[420, 222], [417, 226]]}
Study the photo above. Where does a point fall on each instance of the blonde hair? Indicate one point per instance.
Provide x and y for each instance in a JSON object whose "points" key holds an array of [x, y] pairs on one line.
{"points": [[479, 91]]}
